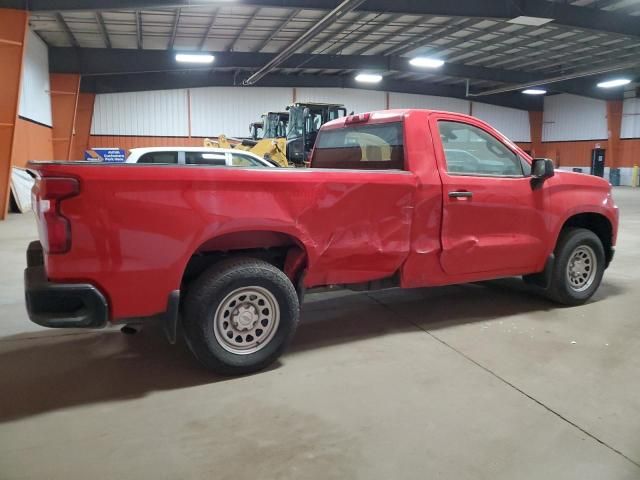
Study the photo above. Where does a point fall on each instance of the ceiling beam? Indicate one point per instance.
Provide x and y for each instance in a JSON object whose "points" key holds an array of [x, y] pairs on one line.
{"points": [[103, 30], [174, 30], [281, 27], [139, 30], [100, 61], [246, 25], [342, 9], [65, 27], [150, 81], [204, 38], [561, 12], [105, 62]]}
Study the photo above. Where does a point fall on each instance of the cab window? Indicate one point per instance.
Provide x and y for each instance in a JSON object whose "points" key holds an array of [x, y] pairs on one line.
{"points": [[205, 158], [159, 158], [364, 147], [469, 150]]}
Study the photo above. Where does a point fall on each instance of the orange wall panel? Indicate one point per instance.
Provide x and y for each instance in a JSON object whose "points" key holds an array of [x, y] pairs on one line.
{"points": [[32, 142], [629, 152], [13, 35], [535, 125], [84, 114], [570, 154], [64, 100]]}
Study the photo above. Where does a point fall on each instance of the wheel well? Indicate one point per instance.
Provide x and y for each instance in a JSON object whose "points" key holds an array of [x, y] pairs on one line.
{"points": [[283, 251], [598, 224]]}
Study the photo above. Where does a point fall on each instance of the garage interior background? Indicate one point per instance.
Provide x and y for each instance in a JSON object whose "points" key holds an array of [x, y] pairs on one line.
{"points": [[92, 77]]}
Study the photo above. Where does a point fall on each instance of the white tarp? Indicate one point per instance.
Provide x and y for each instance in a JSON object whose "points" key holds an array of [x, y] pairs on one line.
{"points": [[21, 184]]}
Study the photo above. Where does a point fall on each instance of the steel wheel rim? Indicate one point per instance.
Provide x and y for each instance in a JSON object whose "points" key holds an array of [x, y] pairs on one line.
{"points": [[581, 268], [246, 320]]}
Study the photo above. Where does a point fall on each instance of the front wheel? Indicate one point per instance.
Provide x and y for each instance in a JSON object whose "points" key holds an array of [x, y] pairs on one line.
{"points": [[579, 266], [240, 315]]}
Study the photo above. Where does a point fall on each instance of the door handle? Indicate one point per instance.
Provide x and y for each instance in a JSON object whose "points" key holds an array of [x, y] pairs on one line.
{"points": [[460, 194]]}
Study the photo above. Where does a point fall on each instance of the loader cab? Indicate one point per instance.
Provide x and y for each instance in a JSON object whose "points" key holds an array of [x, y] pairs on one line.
{"points": [[270, 125], [256, 129], [305, 120]]}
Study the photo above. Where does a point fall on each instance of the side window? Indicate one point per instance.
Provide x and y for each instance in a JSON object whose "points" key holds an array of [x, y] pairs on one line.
{"points": [[363, 147], [469, 150], [526, 167], [159, 158], [239, 160], [205, 158]]}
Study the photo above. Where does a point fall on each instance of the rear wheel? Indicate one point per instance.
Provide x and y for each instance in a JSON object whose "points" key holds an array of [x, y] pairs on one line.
{"points": [[579, 266], [240, 315]]}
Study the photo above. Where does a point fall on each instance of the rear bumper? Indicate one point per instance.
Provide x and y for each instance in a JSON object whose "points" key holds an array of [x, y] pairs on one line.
{"points": [[60, 305]]}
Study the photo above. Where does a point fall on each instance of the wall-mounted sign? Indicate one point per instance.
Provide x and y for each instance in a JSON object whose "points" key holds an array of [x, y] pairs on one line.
{"points": [[111, 155]]}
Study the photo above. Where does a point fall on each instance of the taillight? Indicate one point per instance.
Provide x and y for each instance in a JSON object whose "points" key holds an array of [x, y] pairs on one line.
{"points": [[55, 229]]}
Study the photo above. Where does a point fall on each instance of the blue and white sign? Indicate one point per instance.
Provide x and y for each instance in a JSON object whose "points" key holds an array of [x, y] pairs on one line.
{"points": [[111, 155]]}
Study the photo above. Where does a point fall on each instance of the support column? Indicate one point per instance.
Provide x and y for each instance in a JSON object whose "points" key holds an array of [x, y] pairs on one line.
{"points": [[84, 116], [13, 37], [535, 124], [614, 124], [65, 88]]}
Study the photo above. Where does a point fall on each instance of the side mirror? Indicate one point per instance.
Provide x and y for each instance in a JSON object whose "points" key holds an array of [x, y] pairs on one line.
{"points": [[541, 169]]}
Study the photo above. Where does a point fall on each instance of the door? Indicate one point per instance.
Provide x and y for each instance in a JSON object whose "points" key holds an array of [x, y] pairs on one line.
{"points": [[597, 162], [492, 218]]}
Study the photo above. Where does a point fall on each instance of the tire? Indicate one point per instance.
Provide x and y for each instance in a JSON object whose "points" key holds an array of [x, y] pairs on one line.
{"points": [[574, 285], [240, 315]]}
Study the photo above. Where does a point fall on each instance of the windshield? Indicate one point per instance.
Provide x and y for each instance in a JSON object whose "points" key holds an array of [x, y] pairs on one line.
{"points": [[274, 126], [295, 123]]}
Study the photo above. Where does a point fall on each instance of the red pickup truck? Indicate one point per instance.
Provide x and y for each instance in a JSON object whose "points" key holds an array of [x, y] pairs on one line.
{"points": [[400, 198]]}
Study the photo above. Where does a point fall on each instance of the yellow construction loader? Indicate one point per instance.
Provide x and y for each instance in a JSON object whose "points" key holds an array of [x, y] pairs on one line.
{"points": [[269, 148], [294, 133]]}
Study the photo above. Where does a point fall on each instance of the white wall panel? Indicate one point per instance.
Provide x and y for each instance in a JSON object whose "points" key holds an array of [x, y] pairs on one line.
{"points": [[571, 117], [35, 99], [230, 110], [512, 123], [154, 113], [409, 100], [630, 118], [354, 100]]}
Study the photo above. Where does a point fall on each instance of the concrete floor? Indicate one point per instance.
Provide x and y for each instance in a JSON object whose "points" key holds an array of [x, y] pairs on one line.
{"points": [[466, 382]]}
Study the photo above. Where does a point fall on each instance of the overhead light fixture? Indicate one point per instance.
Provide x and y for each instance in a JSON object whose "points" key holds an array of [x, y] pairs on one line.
{"points": [[618, 82], [426, 62], [194, 58], [534, 91], [530, 21], [368, 77]]}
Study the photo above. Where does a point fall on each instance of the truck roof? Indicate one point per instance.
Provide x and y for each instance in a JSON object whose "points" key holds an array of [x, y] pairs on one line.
{"points": [[380, 116]]}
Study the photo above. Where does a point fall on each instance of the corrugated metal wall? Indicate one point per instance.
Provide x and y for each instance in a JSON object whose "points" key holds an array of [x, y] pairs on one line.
{"points": [[354, 100], [408, 100], [35, 102], [230, 110], [571, 117], [153, 113], [512, 123], [630, 118]]}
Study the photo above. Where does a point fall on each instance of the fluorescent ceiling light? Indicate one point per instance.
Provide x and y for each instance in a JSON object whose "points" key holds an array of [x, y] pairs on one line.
{"points": [[618, 82], [426, 62], [368, 77], [534, 91], [530, 21], [194, 58]]}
